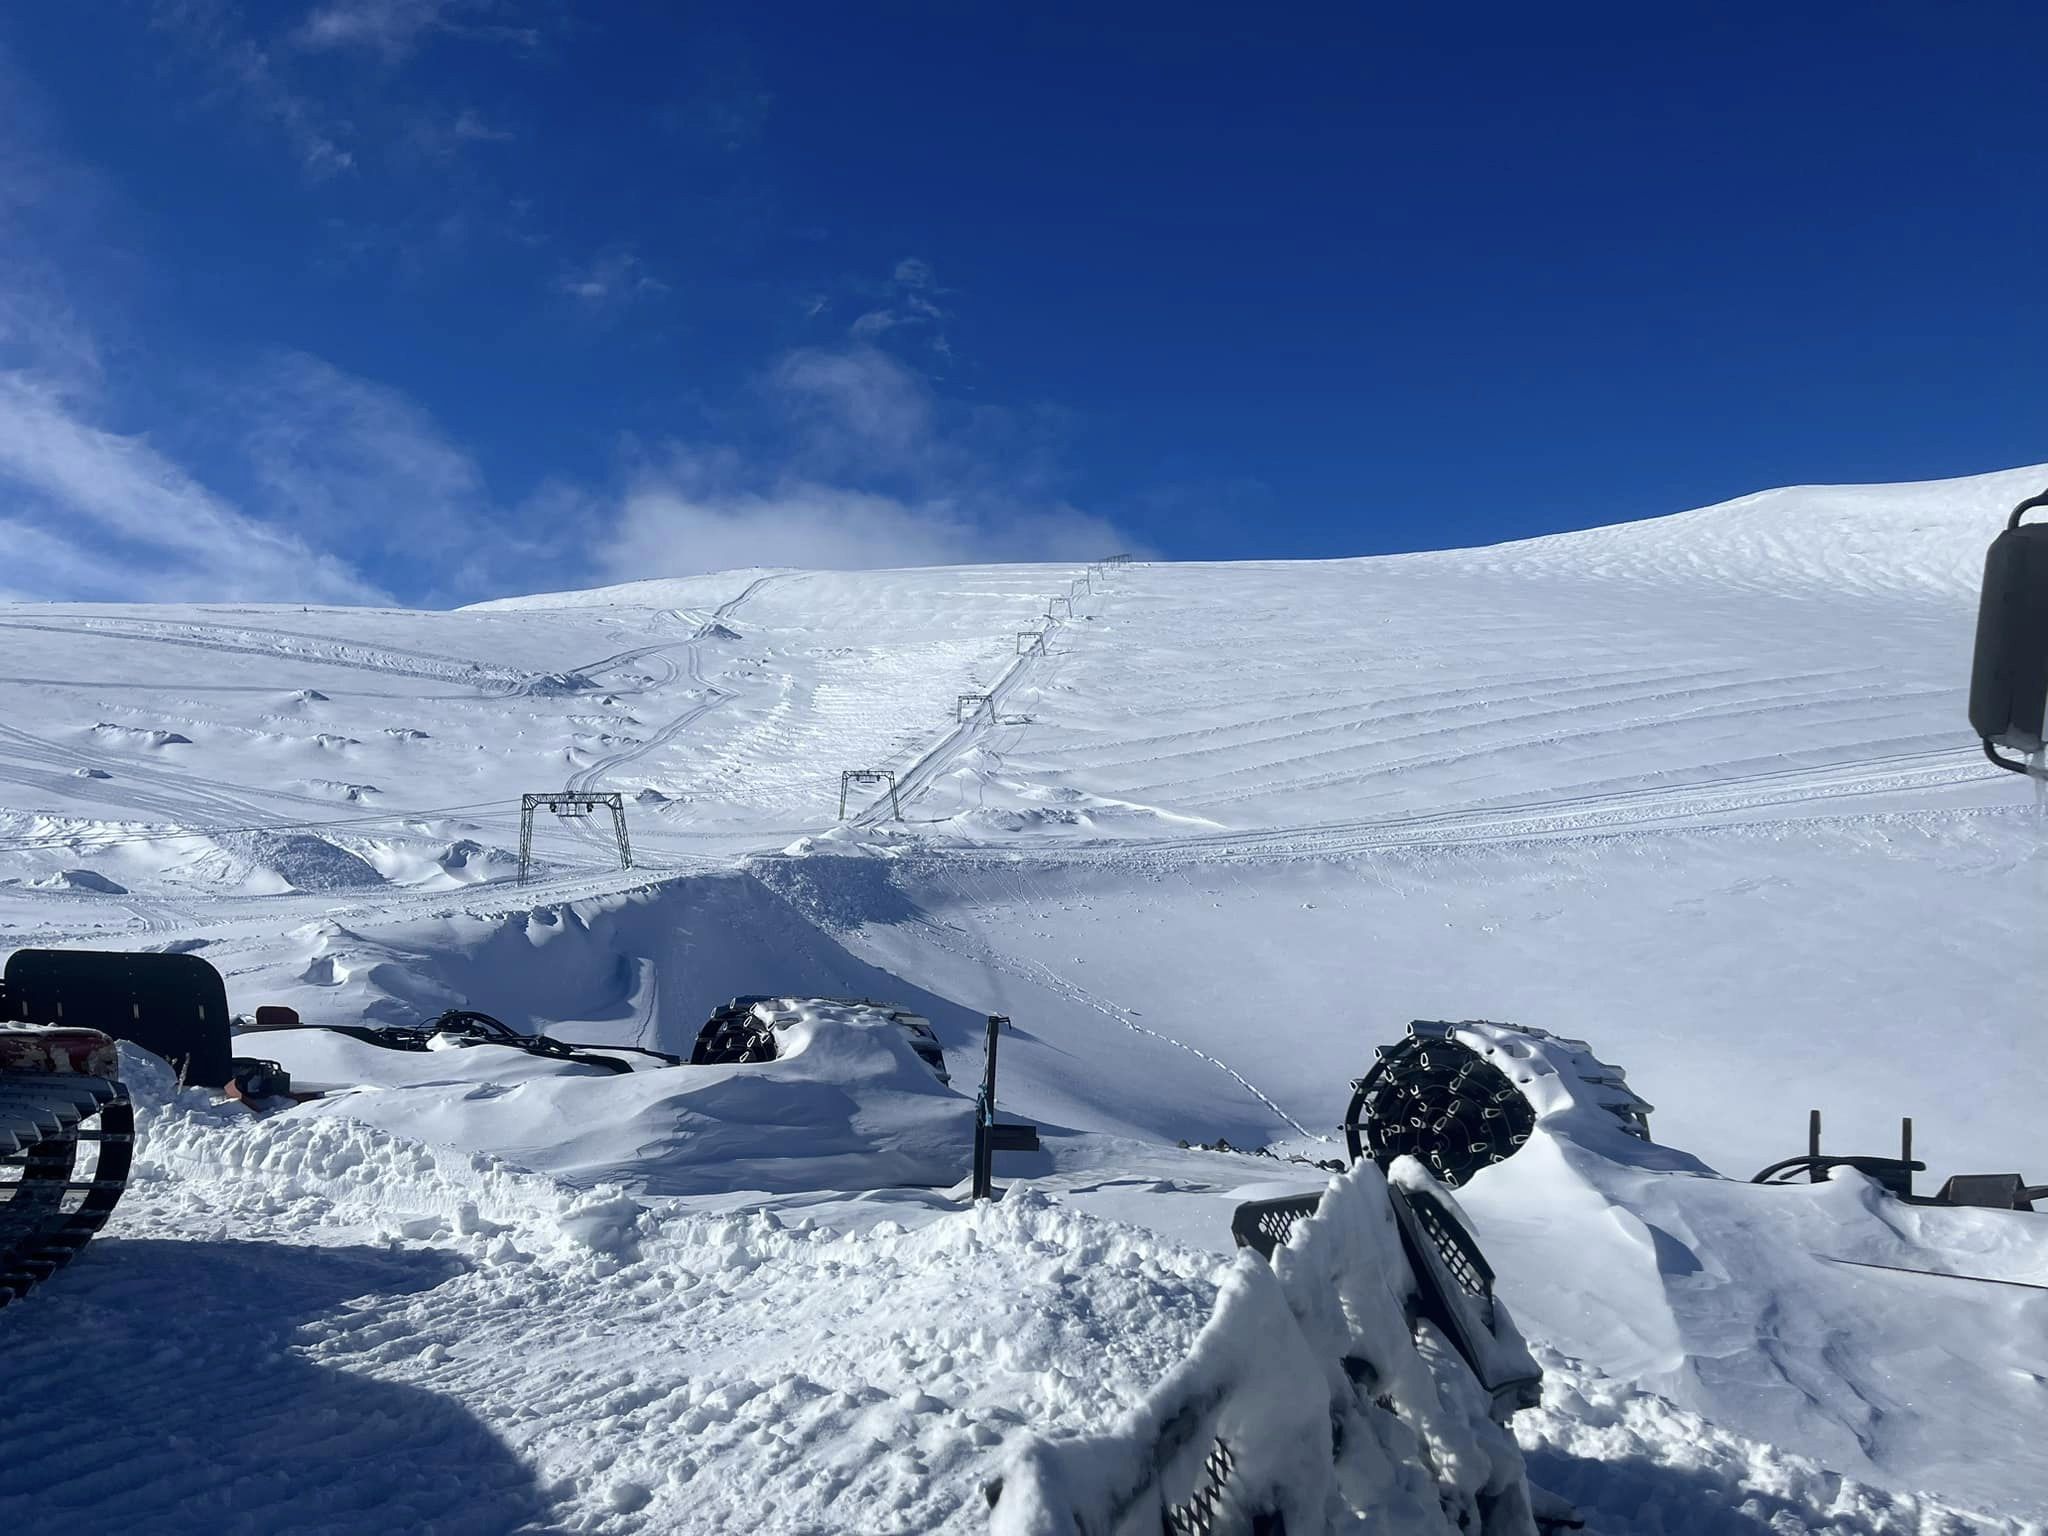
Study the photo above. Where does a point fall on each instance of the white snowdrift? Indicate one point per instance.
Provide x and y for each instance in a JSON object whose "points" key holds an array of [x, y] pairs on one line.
{"points": [[1903, 1345], [846, 1105]]}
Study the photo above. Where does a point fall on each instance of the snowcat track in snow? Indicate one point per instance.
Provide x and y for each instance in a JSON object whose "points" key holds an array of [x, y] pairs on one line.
{"points": [[58, 1097], [743, 1030], [1457, 1097]]}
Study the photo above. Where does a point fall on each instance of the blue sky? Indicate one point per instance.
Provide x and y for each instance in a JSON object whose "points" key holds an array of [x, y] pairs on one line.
{"points": [[429, 300]]}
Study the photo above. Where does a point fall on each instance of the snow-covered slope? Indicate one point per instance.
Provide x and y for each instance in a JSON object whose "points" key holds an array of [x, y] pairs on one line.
{"points": [[1698, 789]]}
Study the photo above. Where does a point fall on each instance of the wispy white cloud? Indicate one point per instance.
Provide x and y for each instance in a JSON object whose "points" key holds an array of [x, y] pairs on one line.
{"points": [[856, 411], [87, 509], [872, 471], [49, 218], [263, 74], [287, 478], [666, 526], [358, 461], [611, 279], [122, 520], [908, 301], [395, 29], [440, 137], [245, 69]]}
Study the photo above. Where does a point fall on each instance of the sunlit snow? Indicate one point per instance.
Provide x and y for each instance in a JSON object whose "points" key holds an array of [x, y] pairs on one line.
{"points": [[1698, 790]]}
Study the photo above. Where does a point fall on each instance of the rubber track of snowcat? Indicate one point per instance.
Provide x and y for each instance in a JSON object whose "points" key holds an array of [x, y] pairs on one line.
{"points": [[49, 1208]]}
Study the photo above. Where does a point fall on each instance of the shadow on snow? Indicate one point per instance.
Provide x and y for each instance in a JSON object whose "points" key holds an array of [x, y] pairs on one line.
{"points": [[155, 1385]]}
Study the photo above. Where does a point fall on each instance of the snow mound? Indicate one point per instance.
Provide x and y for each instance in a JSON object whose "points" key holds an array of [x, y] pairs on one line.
{"points": [[341, 789], [152, 738], [466, 860], [1632, 1461], [847, 1104], [343, 1165], [304, 861], [80, 880], [548, 685], [1797, 1315]]}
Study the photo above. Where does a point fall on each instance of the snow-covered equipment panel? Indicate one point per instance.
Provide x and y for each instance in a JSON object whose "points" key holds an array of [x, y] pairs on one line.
{"points": [[59, 1098], [1319, 1398]]}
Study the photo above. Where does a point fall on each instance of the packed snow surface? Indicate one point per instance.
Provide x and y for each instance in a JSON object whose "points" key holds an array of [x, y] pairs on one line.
{"points": [[1697, 790]]}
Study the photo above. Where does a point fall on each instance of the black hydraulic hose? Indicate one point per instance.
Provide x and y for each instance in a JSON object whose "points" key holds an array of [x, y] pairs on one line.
{"points": [[483, 1029], [1822, 1164], [666, 1058], [1787, 1165], [2024, 508], [2010, 765]]}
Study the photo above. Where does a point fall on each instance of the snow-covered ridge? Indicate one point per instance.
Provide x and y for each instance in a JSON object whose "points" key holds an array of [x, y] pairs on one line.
{"points": [[1923, 537]]}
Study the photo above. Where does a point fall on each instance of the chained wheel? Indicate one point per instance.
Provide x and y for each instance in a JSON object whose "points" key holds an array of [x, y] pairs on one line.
{"points": [[1437, 1100]]}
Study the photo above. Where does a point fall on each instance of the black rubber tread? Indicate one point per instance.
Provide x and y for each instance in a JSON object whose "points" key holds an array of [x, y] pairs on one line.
{"points": [[925, 1041], [733, 1034], [49, 1210], [1441, 1102]]}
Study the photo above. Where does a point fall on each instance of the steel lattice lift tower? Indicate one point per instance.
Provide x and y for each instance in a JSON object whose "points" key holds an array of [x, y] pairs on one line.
{"points": [[571, 803]]}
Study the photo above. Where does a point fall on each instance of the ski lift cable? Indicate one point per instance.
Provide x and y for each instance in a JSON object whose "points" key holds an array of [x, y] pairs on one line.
{"points": [[17, 845]]}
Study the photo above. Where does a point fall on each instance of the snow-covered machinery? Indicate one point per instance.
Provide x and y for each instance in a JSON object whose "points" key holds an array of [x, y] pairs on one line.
{"points": [[67, 1132], [174, 1005], [1459, 1097], [453, 1029], [1894, 1175], [744, 1030], [1357, 1374], [1462, 1097]]}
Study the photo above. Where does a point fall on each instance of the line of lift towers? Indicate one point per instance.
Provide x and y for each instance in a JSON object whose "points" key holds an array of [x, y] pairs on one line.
{"points": [[967, 707]]}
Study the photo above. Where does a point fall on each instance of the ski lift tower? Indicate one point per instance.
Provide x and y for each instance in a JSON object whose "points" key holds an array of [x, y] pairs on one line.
{"points": [[883, 776], [569, 804]]}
